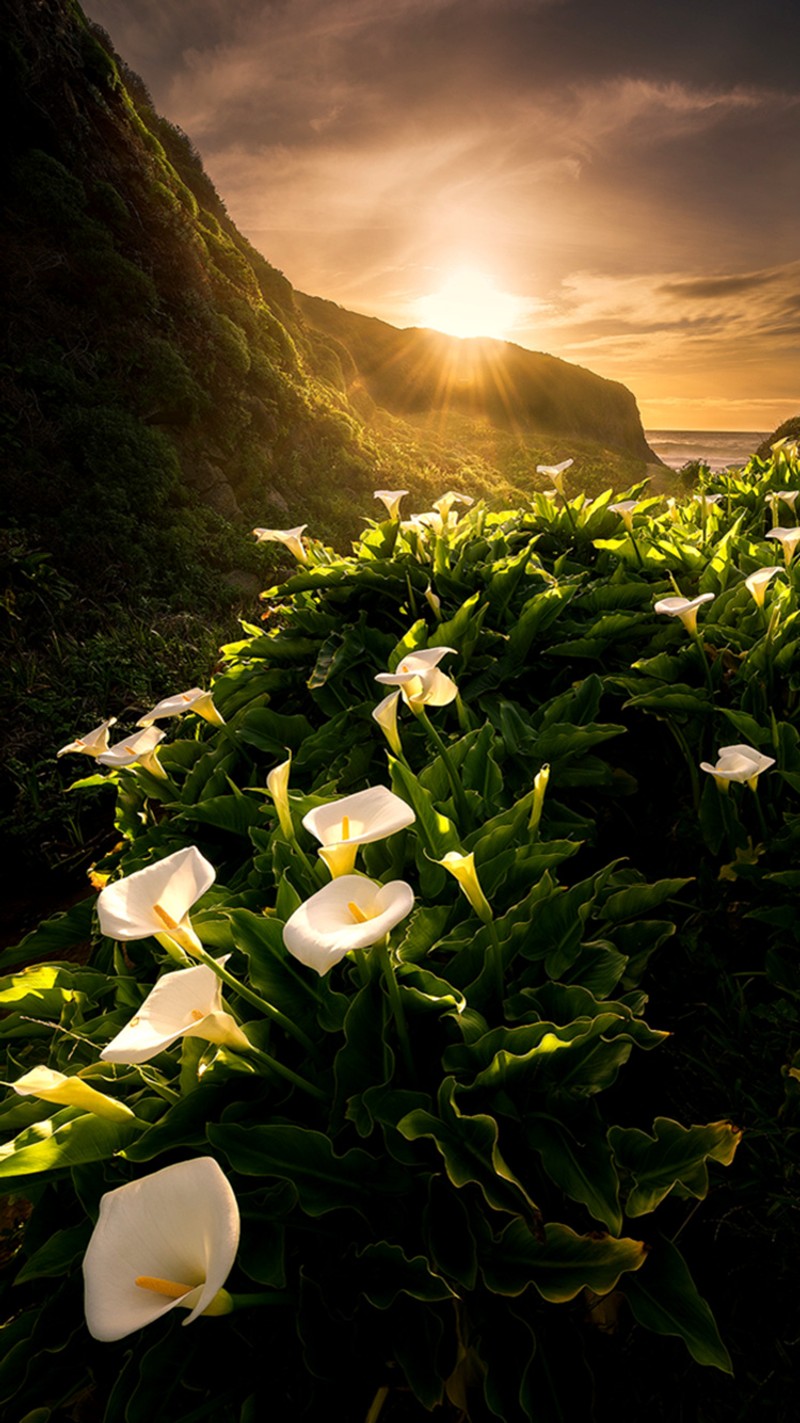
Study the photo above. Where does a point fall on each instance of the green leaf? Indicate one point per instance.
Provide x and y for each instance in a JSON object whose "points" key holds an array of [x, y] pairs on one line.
{"points": [[57, 1255], [663, 1297], [673, 1155], [385, 1271], [323, 1181], [560, 1265], [65, 1139]]}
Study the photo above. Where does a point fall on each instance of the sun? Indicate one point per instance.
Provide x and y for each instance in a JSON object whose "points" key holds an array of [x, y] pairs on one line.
{"points": [[470, 304]]}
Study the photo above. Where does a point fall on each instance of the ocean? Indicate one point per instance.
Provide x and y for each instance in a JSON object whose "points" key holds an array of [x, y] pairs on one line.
{"points": [[716, 448]]}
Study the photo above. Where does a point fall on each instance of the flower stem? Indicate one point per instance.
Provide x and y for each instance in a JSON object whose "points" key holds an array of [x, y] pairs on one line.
{"points": [[255, 1300], [285, 1072], [266, 1008], [459, 796], [497, 959], [636, 548], [706, 666], [396, 1002]]}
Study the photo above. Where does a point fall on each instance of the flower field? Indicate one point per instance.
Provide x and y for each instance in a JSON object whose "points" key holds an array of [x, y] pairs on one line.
{"points": [[431, 1044]]}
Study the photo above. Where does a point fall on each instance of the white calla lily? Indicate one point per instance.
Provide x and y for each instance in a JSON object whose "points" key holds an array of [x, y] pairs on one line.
{"points": [[139, 749], [392, 498], [626, 509], [738, 763], [555, 472], [683, 608], [278, 787], [788, 540], [93, 743], [757, 582], [157, 900], [167, 1241], [420, 682], [195, 700], [360, 819], [789, 496], [184, 1004], [290, 538], [51, 1086], [462, 868], [385, 713], [445, 504], [352, 912]]}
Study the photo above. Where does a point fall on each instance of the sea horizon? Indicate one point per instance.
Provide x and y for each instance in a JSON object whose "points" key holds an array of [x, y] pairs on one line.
{"points": [[719, 449]]}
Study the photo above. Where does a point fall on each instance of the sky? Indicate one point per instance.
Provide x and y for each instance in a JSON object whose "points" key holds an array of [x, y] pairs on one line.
{"points": [[616, 182]]}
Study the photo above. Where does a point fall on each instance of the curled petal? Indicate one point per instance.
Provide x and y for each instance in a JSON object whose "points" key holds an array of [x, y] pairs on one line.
{"points": [[351, 912]]}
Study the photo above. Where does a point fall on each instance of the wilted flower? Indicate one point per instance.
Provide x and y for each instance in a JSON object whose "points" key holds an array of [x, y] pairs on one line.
{"points": [[51, 1086], [93, 743], [738, 763], [352, 912], [788, 539], [683, 608], [385, 713], [555, 472], [139, 749], [419, 679], [166, 1241], [195, 700], [292, 538], [360, 819], [157, 900], [391, 498], [757, 582], [183, 1004], [462, 868]]}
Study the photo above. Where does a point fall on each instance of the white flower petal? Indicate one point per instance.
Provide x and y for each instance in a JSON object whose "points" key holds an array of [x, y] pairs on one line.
{"points": [[178, 1004], [323, 929], [126, 752], [93, 743], [179, 1224], [126, 908], [370, 815]]}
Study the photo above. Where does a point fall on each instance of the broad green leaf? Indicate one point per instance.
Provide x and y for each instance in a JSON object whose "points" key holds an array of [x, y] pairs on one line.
{"points": [[57, 1255], [65, 1139], [385, 1271], [674, 1155], [324, 1181], [664, 1298], [560, 1265]]}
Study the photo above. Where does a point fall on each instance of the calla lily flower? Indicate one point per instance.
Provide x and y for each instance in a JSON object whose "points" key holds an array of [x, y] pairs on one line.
{"points": [[278, 787], [51, 1086], [738, 763], [419, 679], [683, 608], [183, 1004], [789, 496], [352, 912], [385, 713], [292, 538], [788, 539], [195, 700], [360, 819], [462, 867], [157, 900], [93, 743], [445, 504], [625, 508], [758, 581], [434, 602], [555, 472], [392, 499], [139, 749], [167, 1241]]}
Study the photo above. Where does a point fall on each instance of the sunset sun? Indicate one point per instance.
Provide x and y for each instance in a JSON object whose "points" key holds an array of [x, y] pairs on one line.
{"points": [[470, 304]]}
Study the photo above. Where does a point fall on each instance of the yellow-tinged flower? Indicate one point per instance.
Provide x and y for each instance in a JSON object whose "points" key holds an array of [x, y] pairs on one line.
{"points": [[278, 787], [291, 538], [352, 912], [385, 713], [139, 749], [184, 1004], [539, 790], [167, 1241], [157, 900], [392, 499], [788, 540], [93, 743], [683, 608], [626, 509], [445, 504], [195, 700], [434, 602], [462, 868], [419, 679], [51, 1086], [360, 819], [757, 582], [738, 763], [555, 472]]}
